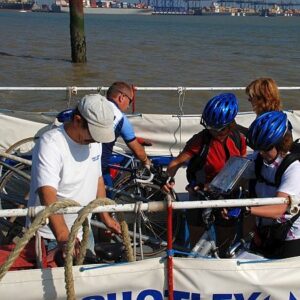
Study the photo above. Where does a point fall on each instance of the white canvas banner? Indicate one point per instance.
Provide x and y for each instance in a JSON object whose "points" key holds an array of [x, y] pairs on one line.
{"points": [[194, 279], [168, 133]]}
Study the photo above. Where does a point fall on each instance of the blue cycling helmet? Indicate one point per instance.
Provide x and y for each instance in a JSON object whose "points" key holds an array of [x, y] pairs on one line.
{"points": [[220, 111], [267, 130]]}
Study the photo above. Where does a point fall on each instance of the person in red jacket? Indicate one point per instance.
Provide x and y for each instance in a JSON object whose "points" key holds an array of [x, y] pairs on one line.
{"points": [[207, 152]]}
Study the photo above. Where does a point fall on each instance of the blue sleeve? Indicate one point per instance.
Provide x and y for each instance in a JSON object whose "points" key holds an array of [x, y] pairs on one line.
{"points": [[127, 132]]}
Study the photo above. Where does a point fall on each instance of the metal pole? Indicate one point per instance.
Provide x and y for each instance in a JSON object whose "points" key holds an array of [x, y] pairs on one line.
{"points": [[220, 88], [158, 206], [170, 248], [16, 158]]}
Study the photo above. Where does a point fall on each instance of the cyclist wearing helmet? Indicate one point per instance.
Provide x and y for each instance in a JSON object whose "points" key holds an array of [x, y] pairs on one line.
{"points": [[221, 141], [270, 136]]}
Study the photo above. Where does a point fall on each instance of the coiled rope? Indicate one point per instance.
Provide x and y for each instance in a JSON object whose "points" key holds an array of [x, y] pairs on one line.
{"points": [[38, 222], [82, 220], [82, 217]]}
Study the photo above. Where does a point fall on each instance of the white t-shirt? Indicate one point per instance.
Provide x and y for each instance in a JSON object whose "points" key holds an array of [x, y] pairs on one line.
{"points": [[72, 169], [289, 185]]}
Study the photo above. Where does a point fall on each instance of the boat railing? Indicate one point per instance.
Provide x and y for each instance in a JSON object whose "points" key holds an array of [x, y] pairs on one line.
{"points": [[74, 89], [155, 206]]}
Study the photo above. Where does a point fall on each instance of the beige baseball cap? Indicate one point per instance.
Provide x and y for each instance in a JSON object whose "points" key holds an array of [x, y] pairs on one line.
{"points": [[99, 114]]}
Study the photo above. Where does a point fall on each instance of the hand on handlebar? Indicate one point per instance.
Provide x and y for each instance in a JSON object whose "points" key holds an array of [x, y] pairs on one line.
{"points": [[169, 184], [197, 188], [148, 164]]}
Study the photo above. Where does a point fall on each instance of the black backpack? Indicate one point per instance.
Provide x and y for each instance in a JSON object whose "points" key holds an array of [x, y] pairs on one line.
{"points": [[197, 162], [289, 159]]}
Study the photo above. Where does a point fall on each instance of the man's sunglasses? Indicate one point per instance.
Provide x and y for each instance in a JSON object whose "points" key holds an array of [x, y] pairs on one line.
{"points": [[124, 94]]}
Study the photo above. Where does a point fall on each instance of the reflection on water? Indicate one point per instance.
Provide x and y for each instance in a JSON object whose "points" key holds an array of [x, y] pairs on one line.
{"points": [[147, 51]]}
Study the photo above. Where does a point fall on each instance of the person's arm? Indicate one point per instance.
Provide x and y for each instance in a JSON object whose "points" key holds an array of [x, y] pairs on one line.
{"points": [[270, 211], [172, 168], [139, 151], [175, 164], [57, 223], [105, 217], [128, 135]]}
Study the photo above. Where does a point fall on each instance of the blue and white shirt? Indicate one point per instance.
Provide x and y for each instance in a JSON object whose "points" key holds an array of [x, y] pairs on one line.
{"points": [[122, 128]]}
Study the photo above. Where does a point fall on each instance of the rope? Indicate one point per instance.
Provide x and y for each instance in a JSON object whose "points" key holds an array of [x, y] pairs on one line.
{"points": [[71, 90], [82, 217], [38, 222], [101, 90], [181, 97]]}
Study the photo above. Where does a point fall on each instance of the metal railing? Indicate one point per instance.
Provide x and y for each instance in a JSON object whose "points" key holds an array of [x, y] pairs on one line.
{"points": [[161, 205], [103, 88]]}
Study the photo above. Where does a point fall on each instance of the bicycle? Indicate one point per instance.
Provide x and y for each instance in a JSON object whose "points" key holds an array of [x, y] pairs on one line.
{"points": [[14, 186], [135, 183], [207, 245]]}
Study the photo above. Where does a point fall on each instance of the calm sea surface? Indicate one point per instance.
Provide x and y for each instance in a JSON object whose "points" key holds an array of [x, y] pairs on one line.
{"points": [[147, 51]]}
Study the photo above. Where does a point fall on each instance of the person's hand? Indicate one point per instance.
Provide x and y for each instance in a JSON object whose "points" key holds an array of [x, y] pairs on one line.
{"points": [[224, 213], [169, 185], [62, 246], [194, 188], [113, 225], [59, 254], [144, 142], [147, 164]]}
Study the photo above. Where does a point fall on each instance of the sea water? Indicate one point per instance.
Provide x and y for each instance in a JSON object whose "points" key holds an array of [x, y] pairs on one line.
{"points": [[147, 51]]}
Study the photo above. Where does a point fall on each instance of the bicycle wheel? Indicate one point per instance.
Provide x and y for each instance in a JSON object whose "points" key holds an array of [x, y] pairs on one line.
{"points": [[14, 193], [153, 224], [22, 147]]}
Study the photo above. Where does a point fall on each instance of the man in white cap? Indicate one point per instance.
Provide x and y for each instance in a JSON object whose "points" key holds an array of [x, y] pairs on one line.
{"points": [[66, 165]]}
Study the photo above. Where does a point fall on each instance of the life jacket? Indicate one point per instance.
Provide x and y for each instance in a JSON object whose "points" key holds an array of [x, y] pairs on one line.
{"points": [[197, 162], [293, 156]]}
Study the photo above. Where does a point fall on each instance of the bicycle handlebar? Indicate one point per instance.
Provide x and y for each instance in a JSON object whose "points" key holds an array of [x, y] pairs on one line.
{"points": [[147, 180]]}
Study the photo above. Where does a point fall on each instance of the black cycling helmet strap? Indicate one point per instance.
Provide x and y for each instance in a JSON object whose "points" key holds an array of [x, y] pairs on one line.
{"points": [[258, 167], [201, 158], [197, 162]]}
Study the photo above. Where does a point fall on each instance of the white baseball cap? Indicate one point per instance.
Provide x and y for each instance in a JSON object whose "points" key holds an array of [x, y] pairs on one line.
{"points": [[99, 114]]}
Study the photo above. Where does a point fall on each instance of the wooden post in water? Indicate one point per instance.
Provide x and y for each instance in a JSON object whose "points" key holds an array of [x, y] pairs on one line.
{"points": [[78, 44]]}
